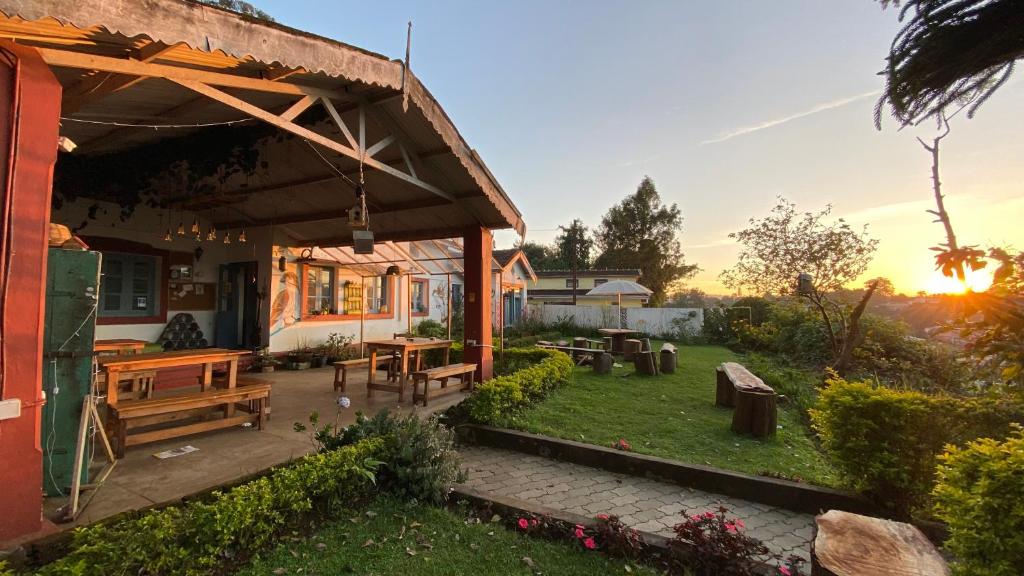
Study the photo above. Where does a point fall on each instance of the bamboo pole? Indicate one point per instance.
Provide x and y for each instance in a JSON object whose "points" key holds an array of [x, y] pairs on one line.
{"points": [[449, 304], [362, 316]]}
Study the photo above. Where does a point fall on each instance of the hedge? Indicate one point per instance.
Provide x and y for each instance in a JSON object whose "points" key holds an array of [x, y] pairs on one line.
{"points": [[980, 496], [540, 371], [885, 442], [200, 536]]}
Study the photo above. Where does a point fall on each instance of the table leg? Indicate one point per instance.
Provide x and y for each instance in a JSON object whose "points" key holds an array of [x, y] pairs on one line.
{"points": [[207, 376], [229, 411], [419, 360], [447, 355], [112, 377], [372, 371], [404, 376]]}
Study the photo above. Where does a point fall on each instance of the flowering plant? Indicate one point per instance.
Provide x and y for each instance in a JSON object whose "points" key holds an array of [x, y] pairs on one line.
{"points": [[617, 538], [622, 444], [711, 543]]}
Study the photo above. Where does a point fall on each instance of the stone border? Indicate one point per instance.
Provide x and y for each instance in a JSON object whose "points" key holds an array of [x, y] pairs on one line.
{"points": [[654, 545], [771, 491]]}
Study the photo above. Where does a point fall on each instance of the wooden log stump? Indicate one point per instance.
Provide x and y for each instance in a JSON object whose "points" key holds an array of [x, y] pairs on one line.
{"points": [[755, 413], [848, 544], [644, 363], [668, 359], [602, 363], [608, 344], [725, 392], [579, 343], [646, 345], [632, 346]]}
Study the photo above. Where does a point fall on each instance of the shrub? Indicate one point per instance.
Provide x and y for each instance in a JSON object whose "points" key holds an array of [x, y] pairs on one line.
{"points": [[502, 395], [885, 441], [431, 329], [980, 495], [617, 538], [798, 385], [759, 309], [419, 460], [199, 536], [709, 544]]}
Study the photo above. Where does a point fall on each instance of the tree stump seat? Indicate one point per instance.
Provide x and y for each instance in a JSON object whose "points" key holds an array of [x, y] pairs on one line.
{"points": [[669, 357], [756, 410], [732, 377], [847, 544]]}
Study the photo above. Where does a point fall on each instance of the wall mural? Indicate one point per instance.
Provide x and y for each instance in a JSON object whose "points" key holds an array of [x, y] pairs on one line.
{"points": [[285, 302]]}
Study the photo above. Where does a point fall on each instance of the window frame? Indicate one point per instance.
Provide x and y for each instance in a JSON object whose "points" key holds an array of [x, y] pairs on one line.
{"points": [[338, 278], [569, 283], [331, 290], [105, 245], [599, 281], [424, 299]]}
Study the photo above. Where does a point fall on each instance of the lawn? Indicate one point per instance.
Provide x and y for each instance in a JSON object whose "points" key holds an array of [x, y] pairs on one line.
{"points": [[674, 416], [389, 537]]}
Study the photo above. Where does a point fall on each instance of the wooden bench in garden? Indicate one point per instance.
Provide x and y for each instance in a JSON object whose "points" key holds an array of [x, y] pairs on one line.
{"points": [[754, 401], [341, 368], [580, 355], [465, 373], [129, 415], [847, 544]]}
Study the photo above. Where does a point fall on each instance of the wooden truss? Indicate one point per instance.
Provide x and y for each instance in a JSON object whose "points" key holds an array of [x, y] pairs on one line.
{"points": [[111, 74]]}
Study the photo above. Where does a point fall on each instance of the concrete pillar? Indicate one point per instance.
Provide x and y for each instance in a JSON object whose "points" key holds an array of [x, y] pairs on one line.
{"points": [[477, 245], [29, 113]]}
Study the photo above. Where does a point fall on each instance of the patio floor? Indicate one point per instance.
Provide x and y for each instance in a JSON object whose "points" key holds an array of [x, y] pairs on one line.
{"points": [[224, 456]]}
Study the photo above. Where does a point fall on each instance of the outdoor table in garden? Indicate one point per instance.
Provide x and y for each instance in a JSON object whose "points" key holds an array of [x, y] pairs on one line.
{"points": [[618, 337], [113, 366], [402, 346]]}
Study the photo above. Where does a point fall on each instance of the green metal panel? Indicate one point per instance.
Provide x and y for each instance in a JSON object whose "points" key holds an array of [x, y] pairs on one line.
{"points": [[72, 288]]}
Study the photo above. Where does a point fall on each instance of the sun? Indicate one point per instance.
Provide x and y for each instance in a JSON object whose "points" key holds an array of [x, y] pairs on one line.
{"points": [[977, 281]]}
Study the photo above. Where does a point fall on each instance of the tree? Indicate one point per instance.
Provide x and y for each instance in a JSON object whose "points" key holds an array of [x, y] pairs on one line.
{"points": [[573, 245], [688, 298], [641, 232], [950, 52], [786, 245], [541, 257], [241, 7]]}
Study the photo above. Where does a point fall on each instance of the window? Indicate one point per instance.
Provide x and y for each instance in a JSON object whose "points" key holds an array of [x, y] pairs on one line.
{"points": [[319, 290], [570, 283], [377, 295], [420, 296], [599, 281], [128, 285]]}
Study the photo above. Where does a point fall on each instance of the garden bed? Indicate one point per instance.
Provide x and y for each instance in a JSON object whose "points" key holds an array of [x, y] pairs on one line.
{"points": [[393, 537], [673, 416]]}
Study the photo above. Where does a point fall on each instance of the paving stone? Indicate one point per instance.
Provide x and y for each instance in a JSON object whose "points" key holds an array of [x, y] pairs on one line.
{"points": [[643, 503]]}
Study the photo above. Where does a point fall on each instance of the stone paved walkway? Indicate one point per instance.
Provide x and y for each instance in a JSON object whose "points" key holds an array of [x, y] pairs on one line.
{"points": [[644, 504]]}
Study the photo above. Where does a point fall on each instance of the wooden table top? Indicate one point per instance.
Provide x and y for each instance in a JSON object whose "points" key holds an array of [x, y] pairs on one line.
{"points": [[411, 343], [114, 344], [616, 331], [173, 358]]}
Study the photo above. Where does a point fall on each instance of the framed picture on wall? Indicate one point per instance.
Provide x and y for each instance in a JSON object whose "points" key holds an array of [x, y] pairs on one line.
{"points": [[181, 272]]}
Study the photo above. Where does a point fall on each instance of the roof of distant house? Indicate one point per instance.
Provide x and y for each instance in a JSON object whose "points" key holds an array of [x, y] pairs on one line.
{"points": [[588, 273]]}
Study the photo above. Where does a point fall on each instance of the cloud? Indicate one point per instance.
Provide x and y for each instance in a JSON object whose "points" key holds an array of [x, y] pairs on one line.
{"points": [[772, 123], [713, 244]]}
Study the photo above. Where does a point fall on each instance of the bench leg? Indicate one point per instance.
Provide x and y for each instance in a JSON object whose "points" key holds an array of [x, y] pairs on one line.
{"points": [[122, 437], [426, 391], [261, 405], [340, 386]]}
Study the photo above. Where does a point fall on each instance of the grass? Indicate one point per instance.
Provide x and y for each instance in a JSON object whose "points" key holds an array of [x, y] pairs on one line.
{"points": [[674, 416], [389, 537]]}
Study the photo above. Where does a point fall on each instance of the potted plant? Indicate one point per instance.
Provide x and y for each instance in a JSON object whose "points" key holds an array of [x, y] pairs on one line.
{"points": [[301, 355], [337, 347], [264, 361], [319, 358]]}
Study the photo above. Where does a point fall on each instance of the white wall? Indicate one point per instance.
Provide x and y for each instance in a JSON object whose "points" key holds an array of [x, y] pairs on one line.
{"points": [[147, 226], [656, 321]]}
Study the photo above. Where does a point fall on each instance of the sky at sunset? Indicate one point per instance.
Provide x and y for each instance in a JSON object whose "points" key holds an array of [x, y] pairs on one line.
{"points": [[726, 105]]}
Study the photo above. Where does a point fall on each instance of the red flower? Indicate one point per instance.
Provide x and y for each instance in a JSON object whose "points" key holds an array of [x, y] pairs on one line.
{"points": [[740, 523], [523, 523], [730, 527], [589, 544], [602, 517], [578, 532], [785, 571], [709, 515]]}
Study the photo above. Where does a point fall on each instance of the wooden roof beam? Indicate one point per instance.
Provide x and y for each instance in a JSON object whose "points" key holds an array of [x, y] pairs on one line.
{"points": [[97, 86]]}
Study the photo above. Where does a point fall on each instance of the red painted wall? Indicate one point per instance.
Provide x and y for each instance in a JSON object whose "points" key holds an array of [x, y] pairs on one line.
{"points": [[29, 113], [477, 246]]}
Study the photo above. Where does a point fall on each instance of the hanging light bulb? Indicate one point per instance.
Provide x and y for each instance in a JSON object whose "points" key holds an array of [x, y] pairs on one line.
{"points": [[212, 234], [241, 236], [181, 228], [195, 226], [167, 236], [227, 237]]}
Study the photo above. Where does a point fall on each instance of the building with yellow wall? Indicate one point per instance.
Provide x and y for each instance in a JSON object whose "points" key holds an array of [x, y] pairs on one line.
{"points": [[556, 287]]}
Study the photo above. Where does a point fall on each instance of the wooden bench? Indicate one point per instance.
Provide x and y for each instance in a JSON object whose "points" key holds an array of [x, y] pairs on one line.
{"points": [[341, 368], [578, 354], [465, 373], [754, 401], [133, 414]]}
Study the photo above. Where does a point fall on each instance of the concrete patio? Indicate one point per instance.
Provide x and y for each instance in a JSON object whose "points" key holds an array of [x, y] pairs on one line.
{"points": [[140, 480]]}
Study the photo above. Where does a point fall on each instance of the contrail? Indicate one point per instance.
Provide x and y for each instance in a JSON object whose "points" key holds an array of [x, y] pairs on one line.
{"points": [[771, 123]]}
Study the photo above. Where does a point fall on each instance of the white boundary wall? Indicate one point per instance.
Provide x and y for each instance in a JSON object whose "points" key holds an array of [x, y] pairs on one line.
{"points": [[656, 321]]}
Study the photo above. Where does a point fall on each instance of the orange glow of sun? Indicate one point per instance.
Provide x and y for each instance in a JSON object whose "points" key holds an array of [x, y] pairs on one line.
{"points": [[976, 281]]}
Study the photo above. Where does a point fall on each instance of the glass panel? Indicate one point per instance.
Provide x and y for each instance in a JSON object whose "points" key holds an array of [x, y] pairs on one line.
{"points": [[111, 302]]}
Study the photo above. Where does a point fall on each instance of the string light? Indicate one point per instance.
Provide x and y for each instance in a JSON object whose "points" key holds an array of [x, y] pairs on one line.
{"points": [[156, 126], [227, 237], [241, 236], [212, 234], [167, 236], [195, 227]]}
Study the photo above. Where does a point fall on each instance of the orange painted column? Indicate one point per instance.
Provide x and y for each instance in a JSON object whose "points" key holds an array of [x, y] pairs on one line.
{"points": [[477, 246], [29, 113]]}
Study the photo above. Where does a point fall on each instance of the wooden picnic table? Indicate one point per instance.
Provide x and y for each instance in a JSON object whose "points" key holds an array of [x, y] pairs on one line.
{"points": [[618, 337], [402, 346], [119, 346], [113, 366]]}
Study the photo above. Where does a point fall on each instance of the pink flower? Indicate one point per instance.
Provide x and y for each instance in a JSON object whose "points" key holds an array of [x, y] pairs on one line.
{"points": [[695, 517], [740, 523], [709, 515], [602, 516], [523, 524], [589, 544], [785, 571], [578, 532], [534, 522], [730, 527]]}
